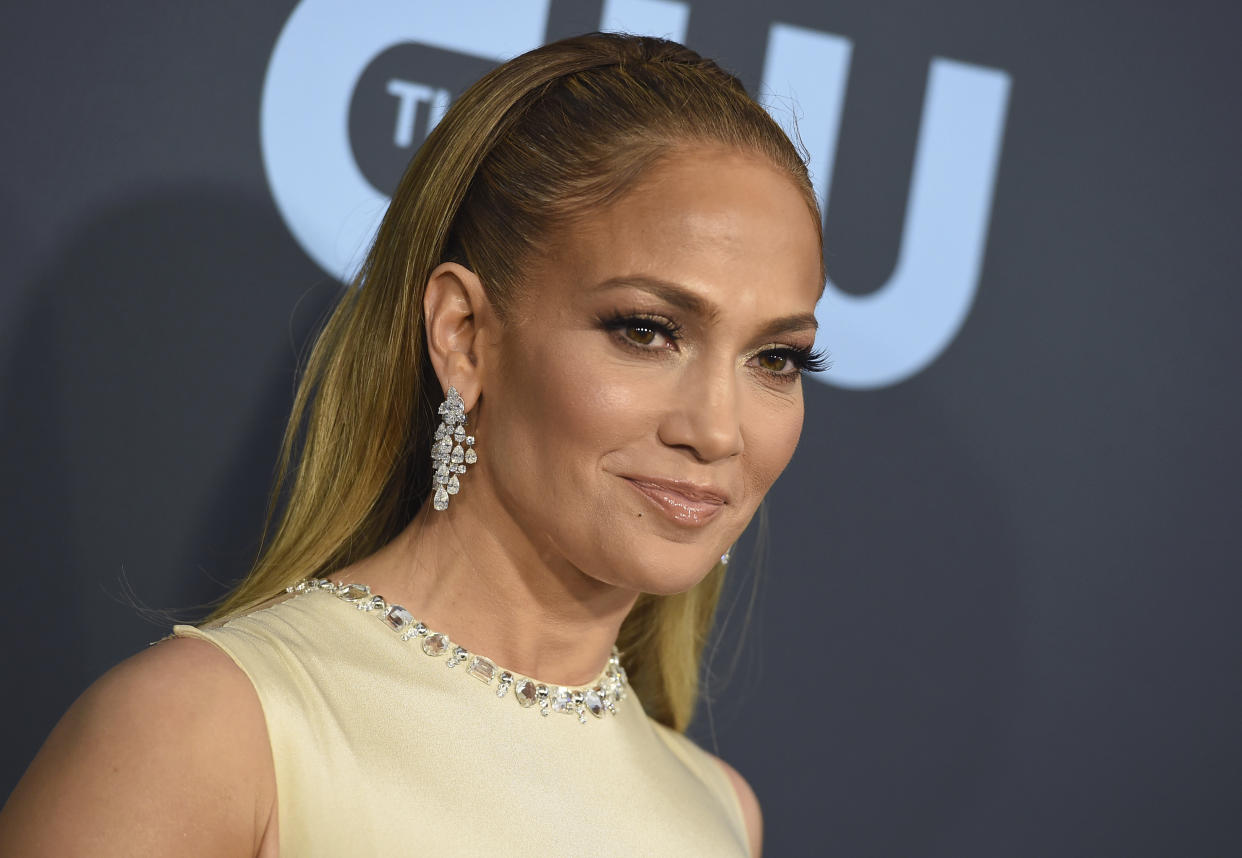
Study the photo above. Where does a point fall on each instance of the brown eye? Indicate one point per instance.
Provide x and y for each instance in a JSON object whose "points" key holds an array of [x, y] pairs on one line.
{"points": [[640, 334], [636, 331], [773, 361]]}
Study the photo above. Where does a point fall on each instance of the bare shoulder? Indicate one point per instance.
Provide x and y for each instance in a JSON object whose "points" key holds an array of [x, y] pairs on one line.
{"points": [[167, 753], [750, 806]]}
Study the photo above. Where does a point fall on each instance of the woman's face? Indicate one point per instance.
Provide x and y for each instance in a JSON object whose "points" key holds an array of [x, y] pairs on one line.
{"points": [[646, 393]]}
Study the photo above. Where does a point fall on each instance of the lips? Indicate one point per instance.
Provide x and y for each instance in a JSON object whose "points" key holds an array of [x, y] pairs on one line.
{"points": [[684, 503]]}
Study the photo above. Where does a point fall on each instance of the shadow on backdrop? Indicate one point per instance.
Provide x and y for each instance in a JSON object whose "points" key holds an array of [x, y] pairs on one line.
{"points": [[151, 379]]}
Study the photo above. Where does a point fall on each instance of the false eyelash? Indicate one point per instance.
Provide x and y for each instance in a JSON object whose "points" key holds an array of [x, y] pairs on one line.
{"points": [[806, 358]]}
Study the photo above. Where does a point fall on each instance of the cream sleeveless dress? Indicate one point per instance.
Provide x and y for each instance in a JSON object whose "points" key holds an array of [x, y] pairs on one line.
{"points": [[380, 750]]}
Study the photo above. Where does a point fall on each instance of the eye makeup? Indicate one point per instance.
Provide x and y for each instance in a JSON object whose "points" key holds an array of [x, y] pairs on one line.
{"points": [[639, 331], [624, 324]]}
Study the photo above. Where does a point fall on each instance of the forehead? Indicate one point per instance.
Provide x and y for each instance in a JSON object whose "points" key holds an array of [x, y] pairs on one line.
{"points": [[724, 224]]}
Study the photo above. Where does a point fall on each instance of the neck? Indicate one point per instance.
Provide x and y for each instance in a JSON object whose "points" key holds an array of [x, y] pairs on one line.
{"points": [[473, 574]]}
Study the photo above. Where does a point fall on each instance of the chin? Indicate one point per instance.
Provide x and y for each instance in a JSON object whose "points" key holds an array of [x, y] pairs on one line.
{"points": [[665, 571]]}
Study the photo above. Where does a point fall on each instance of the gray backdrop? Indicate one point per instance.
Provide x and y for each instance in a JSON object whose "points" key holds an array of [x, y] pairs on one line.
{"points": [[997, 614]]}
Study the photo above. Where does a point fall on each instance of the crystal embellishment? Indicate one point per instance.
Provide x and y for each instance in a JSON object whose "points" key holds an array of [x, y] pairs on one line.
{"points": [[435, 644], [481, 669], [603, 695], [502, 686], [594, 703], [458, 656], [355, 592], [525, 693], [398, 617]]}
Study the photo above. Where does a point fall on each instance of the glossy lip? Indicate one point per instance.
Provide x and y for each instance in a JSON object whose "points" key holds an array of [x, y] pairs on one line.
{"points": [[685, 503]]}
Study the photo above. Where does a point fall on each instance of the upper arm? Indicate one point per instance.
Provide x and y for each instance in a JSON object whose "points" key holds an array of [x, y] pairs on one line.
{"points": [[167, 753], [750, 807]]}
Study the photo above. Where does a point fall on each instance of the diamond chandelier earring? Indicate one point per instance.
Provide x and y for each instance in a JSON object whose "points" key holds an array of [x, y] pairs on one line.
{"points": [[448, 457]]}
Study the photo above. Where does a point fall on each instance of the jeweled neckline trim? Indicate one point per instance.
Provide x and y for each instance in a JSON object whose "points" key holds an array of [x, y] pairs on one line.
{"points": [[603, 695]]}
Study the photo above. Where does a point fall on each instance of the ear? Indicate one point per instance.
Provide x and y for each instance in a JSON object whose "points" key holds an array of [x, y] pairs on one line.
{"points": [[458, 322]]}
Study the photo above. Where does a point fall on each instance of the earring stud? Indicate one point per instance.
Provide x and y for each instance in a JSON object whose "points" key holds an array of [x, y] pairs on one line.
{"points": [[448, 456]]}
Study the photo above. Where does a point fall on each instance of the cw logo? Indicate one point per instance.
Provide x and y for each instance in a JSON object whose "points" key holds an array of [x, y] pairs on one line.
{"points": [[333, 58]]}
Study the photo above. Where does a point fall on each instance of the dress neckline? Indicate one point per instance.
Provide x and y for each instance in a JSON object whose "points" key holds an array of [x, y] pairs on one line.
{"points": [[597, 698]]}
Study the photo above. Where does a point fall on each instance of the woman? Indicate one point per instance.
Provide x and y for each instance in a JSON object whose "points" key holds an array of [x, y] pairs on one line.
{"points": [[569, 375]]}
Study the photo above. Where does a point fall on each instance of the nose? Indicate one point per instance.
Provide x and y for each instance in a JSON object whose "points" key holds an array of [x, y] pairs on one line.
{"points": [[705, 416]]}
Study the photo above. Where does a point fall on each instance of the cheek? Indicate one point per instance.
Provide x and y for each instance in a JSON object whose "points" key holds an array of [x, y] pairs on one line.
{"points": [[771, 430], [563, 407]]}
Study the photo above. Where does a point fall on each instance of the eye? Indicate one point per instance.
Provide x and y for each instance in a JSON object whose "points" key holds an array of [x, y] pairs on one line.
{"points": [[776, 361], [640, 333], [787, 363]]}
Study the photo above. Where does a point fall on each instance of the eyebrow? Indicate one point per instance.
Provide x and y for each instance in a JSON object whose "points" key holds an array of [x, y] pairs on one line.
{"points": [[680, 296]]}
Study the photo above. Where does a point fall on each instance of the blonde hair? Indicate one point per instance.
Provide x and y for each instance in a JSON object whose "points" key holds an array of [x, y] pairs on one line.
{"points": [[542, 139]]}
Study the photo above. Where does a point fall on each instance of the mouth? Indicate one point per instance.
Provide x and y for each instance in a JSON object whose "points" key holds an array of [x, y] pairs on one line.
{"points": [[684, 503]]}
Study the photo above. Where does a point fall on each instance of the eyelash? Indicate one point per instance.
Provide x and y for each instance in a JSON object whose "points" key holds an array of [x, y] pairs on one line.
{"points": [[804, 358]]}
